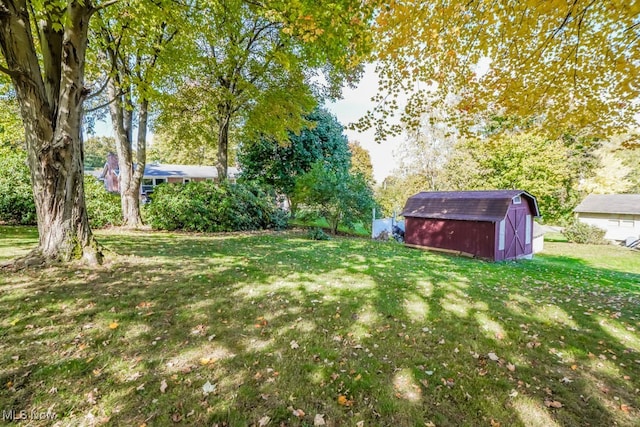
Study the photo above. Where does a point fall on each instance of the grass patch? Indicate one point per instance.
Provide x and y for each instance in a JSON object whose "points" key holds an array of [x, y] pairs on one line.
{"points": [[238, 328]]}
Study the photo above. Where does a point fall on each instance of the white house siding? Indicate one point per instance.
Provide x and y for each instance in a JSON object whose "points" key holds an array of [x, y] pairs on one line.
{"points": [[618, 226]]}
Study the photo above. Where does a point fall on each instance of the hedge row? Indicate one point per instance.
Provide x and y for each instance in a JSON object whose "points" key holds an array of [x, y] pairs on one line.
{"points": [[212, 207]]}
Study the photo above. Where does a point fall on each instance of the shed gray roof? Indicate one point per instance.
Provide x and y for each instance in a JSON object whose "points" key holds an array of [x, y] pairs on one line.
{"points": [[489, 205], [610, 203]]}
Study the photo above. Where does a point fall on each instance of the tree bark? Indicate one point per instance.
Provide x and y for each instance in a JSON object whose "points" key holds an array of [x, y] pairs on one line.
{"points": [[51, 109], [224, 119], [121, 111]]}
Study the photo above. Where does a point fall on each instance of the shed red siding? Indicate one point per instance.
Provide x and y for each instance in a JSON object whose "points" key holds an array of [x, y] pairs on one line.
{"points": [[495, 225], [472, 237]]}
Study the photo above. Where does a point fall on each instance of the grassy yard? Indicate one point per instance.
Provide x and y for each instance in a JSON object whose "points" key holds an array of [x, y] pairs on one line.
{"points": [[274, 329]]}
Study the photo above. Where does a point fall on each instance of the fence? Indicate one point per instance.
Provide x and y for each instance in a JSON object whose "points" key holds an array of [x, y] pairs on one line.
{"points": [[383, 228]]}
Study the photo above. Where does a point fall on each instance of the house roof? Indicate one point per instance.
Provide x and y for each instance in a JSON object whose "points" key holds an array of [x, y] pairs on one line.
{"points": [[610, 203], [489, 205], [184, 171]]}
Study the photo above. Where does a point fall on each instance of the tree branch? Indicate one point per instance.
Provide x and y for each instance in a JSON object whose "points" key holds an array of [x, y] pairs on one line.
{"points": [[9, 72], [104, 5]]}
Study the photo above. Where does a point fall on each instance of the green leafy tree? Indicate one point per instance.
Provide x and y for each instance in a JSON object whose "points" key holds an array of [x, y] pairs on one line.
{"points": [[137, 37], [11, 129], [280, 164], [256, 66], [340, 197], [361, 161], [96, 149], [17, 205], [521, 161]]}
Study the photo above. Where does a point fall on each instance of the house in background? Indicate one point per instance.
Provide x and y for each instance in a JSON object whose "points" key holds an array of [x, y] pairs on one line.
{"points": [[495, 225], [156, 174], [618, 214]]}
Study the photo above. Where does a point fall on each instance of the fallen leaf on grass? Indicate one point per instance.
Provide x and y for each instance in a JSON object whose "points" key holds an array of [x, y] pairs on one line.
{"points": [[206, 360], [163, 386], [552, 404], [318, 420], [624, 408], [493, 357], [208, 388], [294, 345], [494, 423], [298, 413], [511, 367], [360, 423], [343, 401], [113, 325], [262, 422]]}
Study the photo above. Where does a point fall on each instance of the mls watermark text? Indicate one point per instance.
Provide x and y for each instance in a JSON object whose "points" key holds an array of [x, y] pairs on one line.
{"points": [[24, 414]]}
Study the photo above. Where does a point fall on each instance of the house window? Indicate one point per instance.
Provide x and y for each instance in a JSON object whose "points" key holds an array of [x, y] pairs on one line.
{"points": [[185, 180], [613, 223], [159, 181], [627, 223], [517, 200], [527, 239], [147, 181]]}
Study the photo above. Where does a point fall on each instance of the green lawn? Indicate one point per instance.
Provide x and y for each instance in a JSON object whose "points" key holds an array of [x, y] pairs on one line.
{"points": [[274, 329]]}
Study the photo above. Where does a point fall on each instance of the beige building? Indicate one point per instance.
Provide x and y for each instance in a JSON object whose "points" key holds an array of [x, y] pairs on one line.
{"points": [[618, 214]]}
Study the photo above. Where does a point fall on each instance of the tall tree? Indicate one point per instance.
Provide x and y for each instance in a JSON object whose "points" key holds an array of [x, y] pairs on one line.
{"points": [[136, 51], [281, 164], [47, 72], [258, 63], [569, 65]]}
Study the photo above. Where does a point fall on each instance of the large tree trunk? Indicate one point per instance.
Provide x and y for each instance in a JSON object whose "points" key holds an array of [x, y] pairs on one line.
{"points": [[224, 119], [51, 107], [121, 110]]}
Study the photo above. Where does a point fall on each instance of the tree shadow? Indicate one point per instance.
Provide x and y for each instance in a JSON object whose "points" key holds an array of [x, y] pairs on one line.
{"points": [[352, 329]]}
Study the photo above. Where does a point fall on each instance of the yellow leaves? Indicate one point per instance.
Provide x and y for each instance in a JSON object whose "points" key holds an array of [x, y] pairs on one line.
{"points": [[114, 325], [204, 361], [343, 401]]}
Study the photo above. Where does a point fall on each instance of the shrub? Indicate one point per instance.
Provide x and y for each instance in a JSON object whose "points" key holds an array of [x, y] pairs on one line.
{"points": [[579, 232], [16, 196], [211, 207], [317, 234], [103, 208]]}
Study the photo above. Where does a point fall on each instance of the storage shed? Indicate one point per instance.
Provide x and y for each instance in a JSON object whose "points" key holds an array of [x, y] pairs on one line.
{"points": [[495, 225]]}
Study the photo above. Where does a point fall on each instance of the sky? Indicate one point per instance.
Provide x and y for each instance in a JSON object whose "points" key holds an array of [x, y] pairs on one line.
{"points": [[354, 104]]}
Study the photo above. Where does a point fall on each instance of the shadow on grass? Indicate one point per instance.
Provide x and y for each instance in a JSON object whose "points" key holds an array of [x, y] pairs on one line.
{"points": [[351, 329]]}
